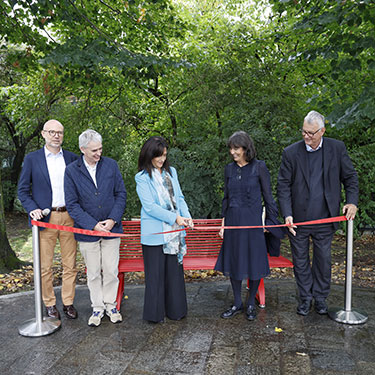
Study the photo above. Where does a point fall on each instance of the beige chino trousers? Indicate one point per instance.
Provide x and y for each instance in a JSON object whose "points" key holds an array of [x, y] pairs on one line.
{"points": [[101, 258], [68, 244]]}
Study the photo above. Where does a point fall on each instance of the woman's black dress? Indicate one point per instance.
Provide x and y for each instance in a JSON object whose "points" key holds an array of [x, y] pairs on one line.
{"points": [[243, 254]]}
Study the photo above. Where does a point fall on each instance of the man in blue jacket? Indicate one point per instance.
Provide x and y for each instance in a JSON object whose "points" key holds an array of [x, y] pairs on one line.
{"points": [[41, 186], [96, 199]]}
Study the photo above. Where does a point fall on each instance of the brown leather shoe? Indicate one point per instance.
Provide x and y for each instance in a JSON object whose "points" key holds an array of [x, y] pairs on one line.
{"points": [[70, 312], [52, 312]]}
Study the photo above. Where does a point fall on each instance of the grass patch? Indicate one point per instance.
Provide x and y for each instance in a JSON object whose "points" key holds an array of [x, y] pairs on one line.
{"points": [[22, 245]]}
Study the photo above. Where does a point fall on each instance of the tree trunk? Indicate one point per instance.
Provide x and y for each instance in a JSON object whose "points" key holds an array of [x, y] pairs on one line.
{"points": [[8, 258], [15, 173]]}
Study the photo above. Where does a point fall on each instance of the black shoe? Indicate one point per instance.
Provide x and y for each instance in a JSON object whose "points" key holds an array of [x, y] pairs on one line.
{"points": [[70, 311], [251, 312], [304, 307], [156, 321], [321, 307], [52, 312], [232, 311]]}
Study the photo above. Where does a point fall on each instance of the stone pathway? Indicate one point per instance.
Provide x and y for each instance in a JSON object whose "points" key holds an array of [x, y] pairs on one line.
{"points": [[278, 342]]}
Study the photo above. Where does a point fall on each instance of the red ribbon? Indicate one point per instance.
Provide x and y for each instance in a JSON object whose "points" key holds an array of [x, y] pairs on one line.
{"points": [[110, 234], [311, 222]]}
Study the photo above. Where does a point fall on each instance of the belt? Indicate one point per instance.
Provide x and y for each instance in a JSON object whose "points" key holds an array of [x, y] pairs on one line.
{"points": [[59, 209]]}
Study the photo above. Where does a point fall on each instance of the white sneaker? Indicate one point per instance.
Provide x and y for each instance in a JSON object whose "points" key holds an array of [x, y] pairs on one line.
{"points": [[114, 315], [96, 318]]}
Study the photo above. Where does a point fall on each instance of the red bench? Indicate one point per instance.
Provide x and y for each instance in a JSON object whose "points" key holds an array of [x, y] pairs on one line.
{"points": [[203, 247]]}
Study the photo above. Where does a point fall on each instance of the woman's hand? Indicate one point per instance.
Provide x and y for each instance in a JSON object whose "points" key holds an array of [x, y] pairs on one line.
{"points": [[184, 221], [190, 223]]}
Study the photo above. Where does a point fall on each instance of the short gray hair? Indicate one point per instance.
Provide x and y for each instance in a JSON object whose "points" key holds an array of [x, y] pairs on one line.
{"points": [[88, 136], [315, 117]]}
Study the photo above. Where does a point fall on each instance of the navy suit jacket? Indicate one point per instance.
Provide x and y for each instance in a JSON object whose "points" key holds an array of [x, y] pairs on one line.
{"points": [[34, 185], [88, 204], [293, 180]]}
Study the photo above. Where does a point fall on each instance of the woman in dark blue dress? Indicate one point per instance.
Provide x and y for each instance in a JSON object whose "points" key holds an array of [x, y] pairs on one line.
{"points": [[243, 254]]}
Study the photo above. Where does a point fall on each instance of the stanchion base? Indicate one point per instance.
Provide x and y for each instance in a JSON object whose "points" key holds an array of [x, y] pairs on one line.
{"points": [[347, 317], [31, 328]]}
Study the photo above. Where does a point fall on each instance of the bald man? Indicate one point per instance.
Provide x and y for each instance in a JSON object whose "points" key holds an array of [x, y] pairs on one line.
{"points": [[41, 186]]}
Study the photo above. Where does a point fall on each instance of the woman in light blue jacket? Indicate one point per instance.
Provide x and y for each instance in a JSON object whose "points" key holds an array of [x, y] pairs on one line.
{"points": [[163, 209]]}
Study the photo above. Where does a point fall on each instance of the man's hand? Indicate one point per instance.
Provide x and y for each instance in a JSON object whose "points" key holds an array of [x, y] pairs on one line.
{"points": [[291, 226], [221, 231], [36, 214], [349, 210], [108, 224], [100, 227]]}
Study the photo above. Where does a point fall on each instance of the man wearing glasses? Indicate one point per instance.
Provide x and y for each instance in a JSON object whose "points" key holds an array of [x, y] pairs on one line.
{"points": [[310, 179], [41, 186]]}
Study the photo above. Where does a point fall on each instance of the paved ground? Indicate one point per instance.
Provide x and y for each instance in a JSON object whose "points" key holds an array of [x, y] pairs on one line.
{"points": [[202, 343]]}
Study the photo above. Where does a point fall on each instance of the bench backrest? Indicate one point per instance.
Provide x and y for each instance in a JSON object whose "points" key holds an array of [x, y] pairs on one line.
{"points": [[200, 243]]}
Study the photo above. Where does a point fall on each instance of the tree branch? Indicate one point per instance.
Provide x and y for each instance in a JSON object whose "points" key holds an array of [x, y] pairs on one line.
{"points": [[105, 35], [108, 6]]}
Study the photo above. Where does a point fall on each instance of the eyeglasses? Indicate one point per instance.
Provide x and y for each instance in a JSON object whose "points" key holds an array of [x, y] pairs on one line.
{"points": [[52, 133], [309, 134]]}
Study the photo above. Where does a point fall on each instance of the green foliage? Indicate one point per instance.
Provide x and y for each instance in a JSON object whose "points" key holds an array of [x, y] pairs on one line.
{"points": [[333, 46], [365, 167], [200, 174], [193, 72], [128, 164]]}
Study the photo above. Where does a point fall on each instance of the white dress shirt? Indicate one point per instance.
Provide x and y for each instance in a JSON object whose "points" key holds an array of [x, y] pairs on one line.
{"points": [[92, 171], [56, 169]]}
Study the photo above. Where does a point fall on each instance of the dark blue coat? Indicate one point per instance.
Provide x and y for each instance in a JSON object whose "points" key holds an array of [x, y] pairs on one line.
{"points": [[34, 186], [88, 204], [293, 183]]}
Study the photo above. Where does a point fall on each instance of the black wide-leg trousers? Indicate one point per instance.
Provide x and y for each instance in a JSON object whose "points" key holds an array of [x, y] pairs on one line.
{"points": [[314, 280], [165, 293]]}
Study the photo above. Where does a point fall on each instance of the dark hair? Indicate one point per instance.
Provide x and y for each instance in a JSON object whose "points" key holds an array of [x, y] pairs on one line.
{"points": [[242, 139], [152, 148]]}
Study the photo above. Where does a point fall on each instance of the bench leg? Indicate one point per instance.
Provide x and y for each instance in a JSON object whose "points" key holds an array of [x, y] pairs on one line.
{"points": [[120, 289], [261, 295]]}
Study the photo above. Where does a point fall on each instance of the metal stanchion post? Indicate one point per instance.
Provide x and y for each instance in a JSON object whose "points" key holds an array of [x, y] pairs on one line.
{"points": [[39, 326], [347, 315]]}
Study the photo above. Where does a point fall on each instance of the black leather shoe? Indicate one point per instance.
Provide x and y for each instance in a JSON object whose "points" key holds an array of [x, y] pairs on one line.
{"points": [[251, 312], [156, 322], [304, 307], [70, 312], [232, 311], [52, 312], [321, 307]]}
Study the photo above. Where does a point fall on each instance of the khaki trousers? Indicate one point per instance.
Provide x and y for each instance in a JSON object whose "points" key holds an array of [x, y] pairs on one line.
{"points": [[101, 258], [68, 246]]}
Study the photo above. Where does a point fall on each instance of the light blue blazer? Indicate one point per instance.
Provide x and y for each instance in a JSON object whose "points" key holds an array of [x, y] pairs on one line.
{"points": [[152, 214]]}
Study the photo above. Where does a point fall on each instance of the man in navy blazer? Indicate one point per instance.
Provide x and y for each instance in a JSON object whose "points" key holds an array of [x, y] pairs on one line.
{"points": [[311, 176], [41, 186], [96, 199]]}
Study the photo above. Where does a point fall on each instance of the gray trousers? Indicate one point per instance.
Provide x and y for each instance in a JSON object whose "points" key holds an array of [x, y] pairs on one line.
{"points": [[313, 280]]}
